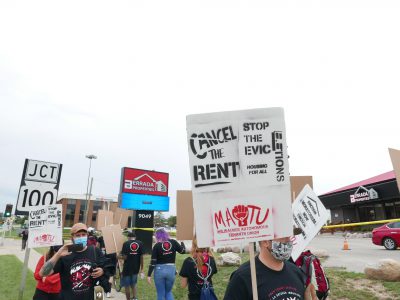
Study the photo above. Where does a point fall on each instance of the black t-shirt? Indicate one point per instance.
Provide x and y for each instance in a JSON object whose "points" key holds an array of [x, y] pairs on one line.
{"points": [[75, 270], [164, 253], [133, 251], [289, 283], [195, 277]]}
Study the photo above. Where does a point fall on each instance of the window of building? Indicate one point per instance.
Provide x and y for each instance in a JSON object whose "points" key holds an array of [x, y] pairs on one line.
{"points": [[96, 206], [82, 211], [397, 209], [389, 210], [70, 213]]}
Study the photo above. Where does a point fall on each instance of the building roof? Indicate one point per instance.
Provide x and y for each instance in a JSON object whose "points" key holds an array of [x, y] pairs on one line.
{"points": [[83, 197], [379, 178]]}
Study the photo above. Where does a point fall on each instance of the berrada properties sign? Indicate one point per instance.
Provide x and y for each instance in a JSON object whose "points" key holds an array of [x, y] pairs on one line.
{"points": [[144, 190]]}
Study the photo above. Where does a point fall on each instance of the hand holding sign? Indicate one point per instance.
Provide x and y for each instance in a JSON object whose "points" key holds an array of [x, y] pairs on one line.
{"points": [[241, 213]]}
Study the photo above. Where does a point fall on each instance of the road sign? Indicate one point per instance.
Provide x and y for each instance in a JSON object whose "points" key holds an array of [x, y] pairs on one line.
{"points": [[39, 185]]}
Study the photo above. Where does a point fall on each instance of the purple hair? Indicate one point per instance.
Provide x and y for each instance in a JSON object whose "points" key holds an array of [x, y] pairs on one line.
{"points": [[161, 235]]}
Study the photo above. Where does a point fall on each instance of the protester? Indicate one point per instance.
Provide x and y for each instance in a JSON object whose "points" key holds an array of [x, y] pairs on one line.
{"points": [[197, 270], [163, 263], [24, 235], [132, 254], [79, 269], [277, 278], [48, 287]]}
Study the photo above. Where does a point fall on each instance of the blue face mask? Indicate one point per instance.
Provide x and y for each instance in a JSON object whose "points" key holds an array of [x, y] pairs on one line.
{"points": [[81, 240]]}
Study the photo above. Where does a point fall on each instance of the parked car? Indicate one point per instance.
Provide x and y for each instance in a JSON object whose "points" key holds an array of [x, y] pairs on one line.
{"points": [[387, 235]]}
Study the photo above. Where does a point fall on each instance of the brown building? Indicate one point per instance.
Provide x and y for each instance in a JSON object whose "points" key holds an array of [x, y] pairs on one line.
{"points": [[74, 206]]}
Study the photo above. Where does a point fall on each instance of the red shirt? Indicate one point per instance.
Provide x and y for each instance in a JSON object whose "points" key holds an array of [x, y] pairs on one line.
{"points": [[51, 283]]}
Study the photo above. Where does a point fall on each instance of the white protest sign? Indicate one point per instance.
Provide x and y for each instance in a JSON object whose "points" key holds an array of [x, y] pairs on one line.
{"points": [[45, 226], [310, 215], [240, 176], [39, 185]]}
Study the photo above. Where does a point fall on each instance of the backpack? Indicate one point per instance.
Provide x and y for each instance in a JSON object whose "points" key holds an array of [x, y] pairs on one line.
{"points": [[311, 266], [207, 291]]}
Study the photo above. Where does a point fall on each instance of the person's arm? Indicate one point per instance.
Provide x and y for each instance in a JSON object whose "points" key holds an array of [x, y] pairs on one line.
{"points": [[52, 279], [38, 267], [141, 263], [237, 289], [47, 268], [184, 282], [153, 263], [179, 247], [100, 261], [310, 293], [213, 266]]}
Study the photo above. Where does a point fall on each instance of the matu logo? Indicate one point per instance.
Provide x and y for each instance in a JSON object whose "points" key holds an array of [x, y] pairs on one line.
{"points": [[166, 246], [241, 215], [134, 247]]}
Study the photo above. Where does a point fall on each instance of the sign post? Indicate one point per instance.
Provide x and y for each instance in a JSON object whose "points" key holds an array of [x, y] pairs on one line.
{"points": [[38, 191]]}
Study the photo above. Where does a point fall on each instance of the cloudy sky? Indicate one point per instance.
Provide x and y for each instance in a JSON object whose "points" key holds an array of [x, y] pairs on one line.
{"points": [[118, 78]]}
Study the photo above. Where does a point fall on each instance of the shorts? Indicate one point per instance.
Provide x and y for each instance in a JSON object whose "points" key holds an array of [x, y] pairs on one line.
{"points": [[129, 280]]}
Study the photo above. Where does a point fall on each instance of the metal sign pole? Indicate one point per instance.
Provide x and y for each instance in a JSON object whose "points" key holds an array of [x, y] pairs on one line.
{"points": [[24, 272]]}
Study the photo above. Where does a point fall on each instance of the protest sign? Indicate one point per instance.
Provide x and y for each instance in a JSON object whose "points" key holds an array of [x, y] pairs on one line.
{"points": [[184, 215], [113, 238], [240, 176], [310, 215], [45, 226], [121, 217], [104, 218]]}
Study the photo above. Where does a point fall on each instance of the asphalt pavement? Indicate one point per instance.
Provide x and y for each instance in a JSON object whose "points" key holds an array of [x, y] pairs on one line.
{"points": [[362, 252]]}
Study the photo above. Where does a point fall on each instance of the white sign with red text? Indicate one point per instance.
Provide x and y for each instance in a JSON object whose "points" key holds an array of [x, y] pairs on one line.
{"points": [[45, 226], [239, 170], [310, 215]]}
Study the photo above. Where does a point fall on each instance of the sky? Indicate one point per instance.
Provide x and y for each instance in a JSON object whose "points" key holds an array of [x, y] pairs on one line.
{"points": [[118, 78]]}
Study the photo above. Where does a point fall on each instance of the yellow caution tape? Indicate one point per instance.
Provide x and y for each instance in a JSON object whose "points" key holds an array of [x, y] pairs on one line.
{"points": [[139, 228], [360, 223]]}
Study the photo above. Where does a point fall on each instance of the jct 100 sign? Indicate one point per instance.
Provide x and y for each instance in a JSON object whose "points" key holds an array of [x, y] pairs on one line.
{"points": [[39, 185]]}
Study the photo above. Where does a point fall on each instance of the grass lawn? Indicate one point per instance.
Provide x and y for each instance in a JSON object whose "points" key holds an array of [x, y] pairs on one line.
{"points": [[10, 270], [344, 285]]}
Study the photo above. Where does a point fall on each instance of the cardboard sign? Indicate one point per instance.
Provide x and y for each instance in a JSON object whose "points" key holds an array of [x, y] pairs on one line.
{"points": [[184, 215], [45, 226], [297, 183], [121, 217], [39, 185], [240, 176], [310, 215], [113, 238], [104, 218]]}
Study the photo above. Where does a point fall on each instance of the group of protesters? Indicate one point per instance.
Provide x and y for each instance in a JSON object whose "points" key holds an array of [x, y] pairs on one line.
{"points": [[68, 272]]}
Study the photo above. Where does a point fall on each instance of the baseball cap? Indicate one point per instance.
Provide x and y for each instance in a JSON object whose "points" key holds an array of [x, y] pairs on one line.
{"points": [[78, 227]]}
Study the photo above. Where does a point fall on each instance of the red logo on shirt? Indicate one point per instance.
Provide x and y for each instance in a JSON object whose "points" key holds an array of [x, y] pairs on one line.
{"points": [[134, 247], [166, 246]]}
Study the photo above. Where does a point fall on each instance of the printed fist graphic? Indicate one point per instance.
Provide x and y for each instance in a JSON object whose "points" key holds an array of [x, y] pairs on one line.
{"points": [[241, 213]]}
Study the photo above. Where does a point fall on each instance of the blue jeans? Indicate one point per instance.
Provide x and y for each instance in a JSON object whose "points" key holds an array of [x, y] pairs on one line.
{"points": [[164, 278]]}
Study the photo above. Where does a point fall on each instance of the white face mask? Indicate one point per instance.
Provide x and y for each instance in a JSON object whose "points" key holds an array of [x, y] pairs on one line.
{"points": [[281, 251]]}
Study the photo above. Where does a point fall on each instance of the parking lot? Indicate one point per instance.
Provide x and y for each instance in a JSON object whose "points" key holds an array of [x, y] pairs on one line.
{"points": [[362, 252]]}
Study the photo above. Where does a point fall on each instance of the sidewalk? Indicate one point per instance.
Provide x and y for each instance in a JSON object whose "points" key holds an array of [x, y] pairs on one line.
{"points": [[13, 247]]}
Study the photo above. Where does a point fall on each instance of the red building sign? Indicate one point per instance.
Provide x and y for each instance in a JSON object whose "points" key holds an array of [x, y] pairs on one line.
{"points": [[136, 181]]}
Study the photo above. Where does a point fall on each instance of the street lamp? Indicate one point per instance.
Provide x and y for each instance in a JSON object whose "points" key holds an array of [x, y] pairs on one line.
{"points": [[90, 157]]}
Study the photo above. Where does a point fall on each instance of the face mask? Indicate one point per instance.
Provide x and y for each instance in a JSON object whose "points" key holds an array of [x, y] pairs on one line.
{"points": [[281, 251], [81, 240]]}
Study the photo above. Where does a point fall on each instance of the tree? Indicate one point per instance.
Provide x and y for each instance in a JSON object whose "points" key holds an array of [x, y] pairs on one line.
{"points": [[172, 221], [159, 219]]}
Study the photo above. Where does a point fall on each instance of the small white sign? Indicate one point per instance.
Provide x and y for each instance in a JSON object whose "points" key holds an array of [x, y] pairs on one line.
{"points": [[310, 215], [39, 185], [45, 226]]}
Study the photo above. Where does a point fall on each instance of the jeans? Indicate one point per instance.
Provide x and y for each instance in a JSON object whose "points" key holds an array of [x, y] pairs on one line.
{"points": [[164, 278]]}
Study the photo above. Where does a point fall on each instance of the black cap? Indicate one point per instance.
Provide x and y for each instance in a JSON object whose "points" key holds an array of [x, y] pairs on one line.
{"points": [[131, 234]]}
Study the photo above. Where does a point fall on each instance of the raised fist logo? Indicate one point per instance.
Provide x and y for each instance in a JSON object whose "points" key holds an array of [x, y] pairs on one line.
{"points": [[241, 213]]}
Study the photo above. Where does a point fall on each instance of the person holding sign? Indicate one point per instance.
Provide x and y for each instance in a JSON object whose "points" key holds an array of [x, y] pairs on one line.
{"points": [[197, 270], [79, 266], [277, 278], [132, 253], [47, 288], [163, 263]]}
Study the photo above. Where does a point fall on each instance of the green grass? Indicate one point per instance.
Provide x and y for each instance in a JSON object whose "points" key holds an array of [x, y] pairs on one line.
{"points": [[11, 270]]}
